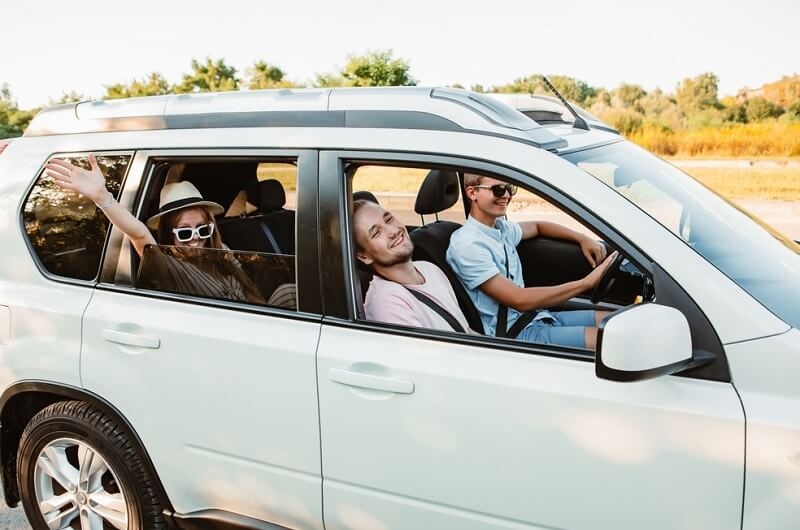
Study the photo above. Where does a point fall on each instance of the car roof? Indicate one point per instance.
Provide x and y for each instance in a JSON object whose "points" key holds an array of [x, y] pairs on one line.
{"points": [[429, 108]]}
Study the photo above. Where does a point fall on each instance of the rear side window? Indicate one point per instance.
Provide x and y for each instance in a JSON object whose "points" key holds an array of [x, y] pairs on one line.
{"points": [[67, 231]]}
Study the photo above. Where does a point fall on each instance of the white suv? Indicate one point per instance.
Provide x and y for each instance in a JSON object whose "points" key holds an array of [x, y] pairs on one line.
{"points": [[128, 403]]}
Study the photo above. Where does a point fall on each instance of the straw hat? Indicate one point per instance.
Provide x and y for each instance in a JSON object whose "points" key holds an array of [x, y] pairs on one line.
{"points": [[180, 195]]}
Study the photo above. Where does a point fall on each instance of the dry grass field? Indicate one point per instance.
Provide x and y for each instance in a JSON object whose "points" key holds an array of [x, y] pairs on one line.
{"points": [[751, 183]]}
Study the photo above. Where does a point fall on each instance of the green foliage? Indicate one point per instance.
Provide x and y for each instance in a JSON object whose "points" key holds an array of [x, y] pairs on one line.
{"points": [[695, 94], [626, 121], [69, 97], [572, 89], [759, 109], [13, 121], [628, 96], [793, 112], [373, 69], [328, 80], [263, 75], [154, 84], [660, 111], [211, 76], [377, 69]]}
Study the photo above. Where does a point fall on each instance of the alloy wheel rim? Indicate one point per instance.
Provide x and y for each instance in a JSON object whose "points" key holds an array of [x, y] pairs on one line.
{"points": [[76, 488]]}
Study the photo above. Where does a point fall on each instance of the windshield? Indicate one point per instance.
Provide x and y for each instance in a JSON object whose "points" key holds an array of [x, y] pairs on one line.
{"points": [[763, 262]]}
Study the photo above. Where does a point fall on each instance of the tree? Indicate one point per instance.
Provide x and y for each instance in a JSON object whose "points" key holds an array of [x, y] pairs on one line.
{"points": [[697, 93], [572, 89], [69, 97], [211, 76], [154, 84], [263, 75], [759, 109], [629, 96], [661, 111], [13, 121], [379, 68]]}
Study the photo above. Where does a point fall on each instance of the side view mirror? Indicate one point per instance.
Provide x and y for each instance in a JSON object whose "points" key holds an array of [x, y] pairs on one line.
{"points": [[645, 341]]}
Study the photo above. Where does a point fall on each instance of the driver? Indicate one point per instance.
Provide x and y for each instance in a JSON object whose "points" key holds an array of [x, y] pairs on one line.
{"points": [[483, 254]]}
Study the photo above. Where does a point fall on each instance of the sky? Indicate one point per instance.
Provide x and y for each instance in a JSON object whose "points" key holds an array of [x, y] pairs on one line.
{"points": [[50, 48]]}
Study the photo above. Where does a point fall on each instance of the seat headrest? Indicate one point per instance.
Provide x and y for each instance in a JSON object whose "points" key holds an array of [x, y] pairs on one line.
{"points": [[365, 196], [438, 192], [271, 196]]}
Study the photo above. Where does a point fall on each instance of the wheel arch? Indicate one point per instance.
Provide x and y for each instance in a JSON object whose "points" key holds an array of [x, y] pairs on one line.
{"points": [[22, 401]]}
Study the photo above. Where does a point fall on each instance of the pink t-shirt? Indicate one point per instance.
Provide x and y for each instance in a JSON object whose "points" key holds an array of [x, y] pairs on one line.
{"points": [[391, 302]]}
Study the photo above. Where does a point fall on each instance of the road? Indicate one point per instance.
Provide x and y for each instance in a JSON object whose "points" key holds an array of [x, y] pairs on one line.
{"points": [[13, 518]]}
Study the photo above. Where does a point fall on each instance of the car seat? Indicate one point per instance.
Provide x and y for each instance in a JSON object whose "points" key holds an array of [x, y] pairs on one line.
{"points": [[438, 192]]}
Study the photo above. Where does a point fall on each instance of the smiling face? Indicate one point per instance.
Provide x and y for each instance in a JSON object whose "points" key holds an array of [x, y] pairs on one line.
{"points": [[381, 238], [191, 218], [484, 206]]}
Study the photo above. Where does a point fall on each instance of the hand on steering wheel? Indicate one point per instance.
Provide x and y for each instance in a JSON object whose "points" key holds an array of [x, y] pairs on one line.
{"points": [[607, 279]]}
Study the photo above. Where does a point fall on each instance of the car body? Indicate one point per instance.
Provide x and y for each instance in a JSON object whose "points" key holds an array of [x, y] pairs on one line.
{"points": [[208, 413]]}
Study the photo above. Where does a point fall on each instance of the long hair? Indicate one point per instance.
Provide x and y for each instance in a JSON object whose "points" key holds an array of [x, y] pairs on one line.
{"points": [[217, 264]]}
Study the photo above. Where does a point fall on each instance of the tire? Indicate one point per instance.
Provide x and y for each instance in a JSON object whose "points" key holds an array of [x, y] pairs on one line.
{"points": [[77, 469]]}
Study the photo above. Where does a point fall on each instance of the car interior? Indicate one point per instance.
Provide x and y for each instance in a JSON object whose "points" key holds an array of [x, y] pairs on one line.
{"points": [[545, 261], [257, 227]]}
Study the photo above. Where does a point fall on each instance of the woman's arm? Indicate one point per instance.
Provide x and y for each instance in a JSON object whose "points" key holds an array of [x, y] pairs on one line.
{"points": [[92, 184]]}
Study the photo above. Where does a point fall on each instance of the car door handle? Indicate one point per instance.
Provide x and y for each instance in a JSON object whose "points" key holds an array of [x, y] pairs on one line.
{"points": [[131, 339], [373, 382]]}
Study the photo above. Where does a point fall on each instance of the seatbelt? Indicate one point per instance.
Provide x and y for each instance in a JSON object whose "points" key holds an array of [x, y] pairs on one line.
{"points": [[501, 330], [428, 301], [442, 312], [270, 237]]}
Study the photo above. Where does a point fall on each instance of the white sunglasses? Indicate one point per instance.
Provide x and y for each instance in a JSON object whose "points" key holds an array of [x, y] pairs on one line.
{"points": [[186, 234]]}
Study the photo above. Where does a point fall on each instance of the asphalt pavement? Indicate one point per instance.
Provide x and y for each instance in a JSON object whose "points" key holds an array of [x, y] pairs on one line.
{"points": [[13, 518]]}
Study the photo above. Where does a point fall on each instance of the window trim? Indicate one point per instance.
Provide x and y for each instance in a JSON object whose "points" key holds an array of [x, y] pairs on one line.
{"points": [[119, 260], [335, 213]]}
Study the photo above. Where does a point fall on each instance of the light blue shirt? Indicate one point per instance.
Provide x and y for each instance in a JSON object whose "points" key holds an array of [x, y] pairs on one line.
{"points": [[477, 253]]}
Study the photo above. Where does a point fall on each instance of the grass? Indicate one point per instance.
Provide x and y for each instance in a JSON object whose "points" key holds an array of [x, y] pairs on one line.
{"points": [[751, 183]]}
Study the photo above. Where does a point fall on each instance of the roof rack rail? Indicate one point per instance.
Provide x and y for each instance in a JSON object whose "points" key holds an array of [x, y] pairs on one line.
{"points": [[427, 108]]}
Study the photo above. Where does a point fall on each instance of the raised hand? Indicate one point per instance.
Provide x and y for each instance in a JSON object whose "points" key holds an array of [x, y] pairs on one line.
{"points": [[89, 183]]}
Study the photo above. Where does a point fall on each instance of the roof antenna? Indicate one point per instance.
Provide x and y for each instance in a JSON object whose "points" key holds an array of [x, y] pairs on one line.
{"points": [[580, 123]]}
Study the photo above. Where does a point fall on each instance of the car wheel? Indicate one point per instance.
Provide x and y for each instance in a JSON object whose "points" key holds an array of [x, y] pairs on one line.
{"points": [[77, 469]]}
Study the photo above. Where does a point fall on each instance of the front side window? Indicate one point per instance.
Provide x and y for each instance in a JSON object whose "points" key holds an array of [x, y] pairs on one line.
{"points": [[67, 231], [411, 237]]}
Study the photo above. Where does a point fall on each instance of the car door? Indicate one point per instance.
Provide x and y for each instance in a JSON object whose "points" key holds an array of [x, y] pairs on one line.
{"points": [[428, 429], [222, 394]]}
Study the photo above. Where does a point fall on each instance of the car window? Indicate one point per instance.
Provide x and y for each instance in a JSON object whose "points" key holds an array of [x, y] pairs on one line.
{"points": [[404, 191], [67, 231], [250, 256], [248, 277]]}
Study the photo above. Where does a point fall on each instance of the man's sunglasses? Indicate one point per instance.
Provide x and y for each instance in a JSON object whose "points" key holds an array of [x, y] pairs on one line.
{"points": [[186, 234], [499, 190]]}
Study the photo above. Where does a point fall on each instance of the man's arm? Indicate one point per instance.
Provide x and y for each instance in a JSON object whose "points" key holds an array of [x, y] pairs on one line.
{"points": [[523, 299], [592, 250]]}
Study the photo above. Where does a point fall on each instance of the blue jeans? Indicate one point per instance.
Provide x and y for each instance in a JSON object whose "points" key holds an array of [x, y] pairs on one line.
{"points": [[565, 328]]}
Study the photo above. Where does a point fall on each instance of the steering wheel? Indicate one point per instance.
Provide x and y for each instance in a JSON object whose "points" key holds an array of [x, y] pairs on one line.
{"points": [[606, 280]]}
